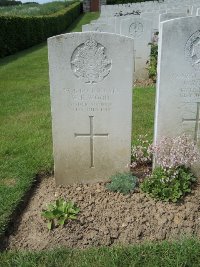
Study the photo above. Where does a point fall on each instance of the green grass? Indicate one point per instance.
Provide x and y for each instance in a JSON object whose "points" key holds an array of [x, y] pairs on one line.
{"points": [[25, 128], [184, 253], [33, 9], [143, 112]]}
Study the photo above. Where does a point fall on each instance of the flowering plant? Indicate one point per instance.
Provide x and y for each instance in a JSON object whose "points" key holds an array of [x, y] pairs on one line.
{"points": [[168, 184], [172, 178], [141, 152], [174, 152]]}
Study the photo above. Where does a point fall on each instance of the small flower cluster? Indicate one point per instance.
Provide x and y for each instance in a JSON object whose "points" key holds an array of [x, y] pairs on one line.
{"points": [[172, 178], [170, 174], [141, 152], [175, 152]]}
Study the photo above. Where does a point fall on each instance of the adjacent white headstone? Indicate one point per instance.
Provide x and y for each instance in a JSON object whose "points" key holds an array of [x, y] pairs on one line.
{"points": [[98, 27], [91, 97], [178, 90], [168, 16], [140, 31], [154, 17], [197, 12]]}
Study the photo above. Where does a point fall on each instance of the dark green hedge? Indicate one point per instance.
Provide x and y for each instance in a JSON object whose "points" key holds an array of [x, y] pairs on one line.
{"points": [[113, 2], [9, 3], [18, 33]]}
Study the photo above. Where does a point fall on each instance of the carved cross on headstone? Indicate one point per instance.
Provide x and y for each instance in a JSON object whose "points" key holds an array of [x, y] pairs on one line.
{"points": [[91, 135], [197, 122]]}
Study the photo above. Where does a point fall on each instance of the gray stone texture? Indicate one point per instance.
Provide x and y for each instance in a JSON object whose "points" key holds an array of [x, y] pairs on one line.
{"points": [[91, 76]]}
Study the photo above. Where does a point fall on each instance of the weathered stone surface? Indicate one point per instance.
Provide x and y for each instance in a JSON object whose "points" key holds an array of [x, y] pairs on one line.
{"points": [[154, 17], [178, 91], [91, 95], [168, 16], [98, 27]]}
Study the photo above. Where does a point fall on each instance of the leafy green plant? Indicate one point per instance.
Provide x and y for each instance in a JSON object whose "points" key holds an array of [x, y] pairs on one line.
{"points": [[169, 184], [122, 182], [152, 67], [59, 212]]}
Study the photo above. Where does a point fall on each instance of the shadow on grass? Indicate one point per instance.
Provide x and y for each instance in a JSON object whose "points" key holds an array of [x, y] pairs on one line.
{"points": [[9, 59], [75, 24]]}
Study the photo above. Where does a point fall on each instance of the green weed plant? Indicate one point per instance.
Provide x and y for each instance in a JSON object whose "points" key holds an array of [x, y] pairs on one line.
{"points": [[60, 212]]}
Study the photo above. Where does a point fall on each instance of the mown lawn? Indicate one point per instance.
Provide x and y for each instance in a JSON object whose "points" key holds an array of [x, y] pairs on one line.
{"points": [[184, 253], [143, 112]]}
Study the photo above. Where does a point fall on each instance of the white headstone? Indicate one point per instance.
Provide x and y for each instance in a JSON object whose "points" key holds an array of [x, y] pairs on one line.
{"points": [[154, 17], [178, 90], [91, 97], [197, 12], [140, 31], [168, 16], [98, 27]]}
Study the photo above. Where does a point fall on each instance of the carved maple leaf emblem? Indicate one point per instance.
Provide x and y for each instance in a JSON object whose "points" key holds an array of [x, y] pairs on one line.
{"points": [[90, 63]]}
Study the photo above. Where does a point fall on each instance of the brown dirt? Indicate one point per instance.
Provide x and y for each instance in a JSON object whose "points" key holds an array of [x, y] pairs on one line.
{"points": [[144, 83], [106, 218]]}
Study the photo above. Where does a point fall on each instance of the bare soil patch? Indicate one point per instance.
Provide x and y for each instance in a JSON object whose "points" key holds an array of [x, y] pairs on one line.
{"points": [[106, 218], [144, 83]]}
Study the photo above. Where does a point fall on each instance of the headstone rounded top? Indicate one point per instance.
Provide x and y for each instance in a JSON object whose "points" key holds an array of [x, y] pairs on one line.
{"points": [[97, 29], [90, 62]]}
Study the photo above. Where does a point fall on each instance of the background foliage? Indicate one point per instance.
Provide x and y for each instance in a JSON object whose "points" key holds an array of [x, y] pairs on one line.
{"points": [[34, 9], [9, 3], [18, 33]]}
